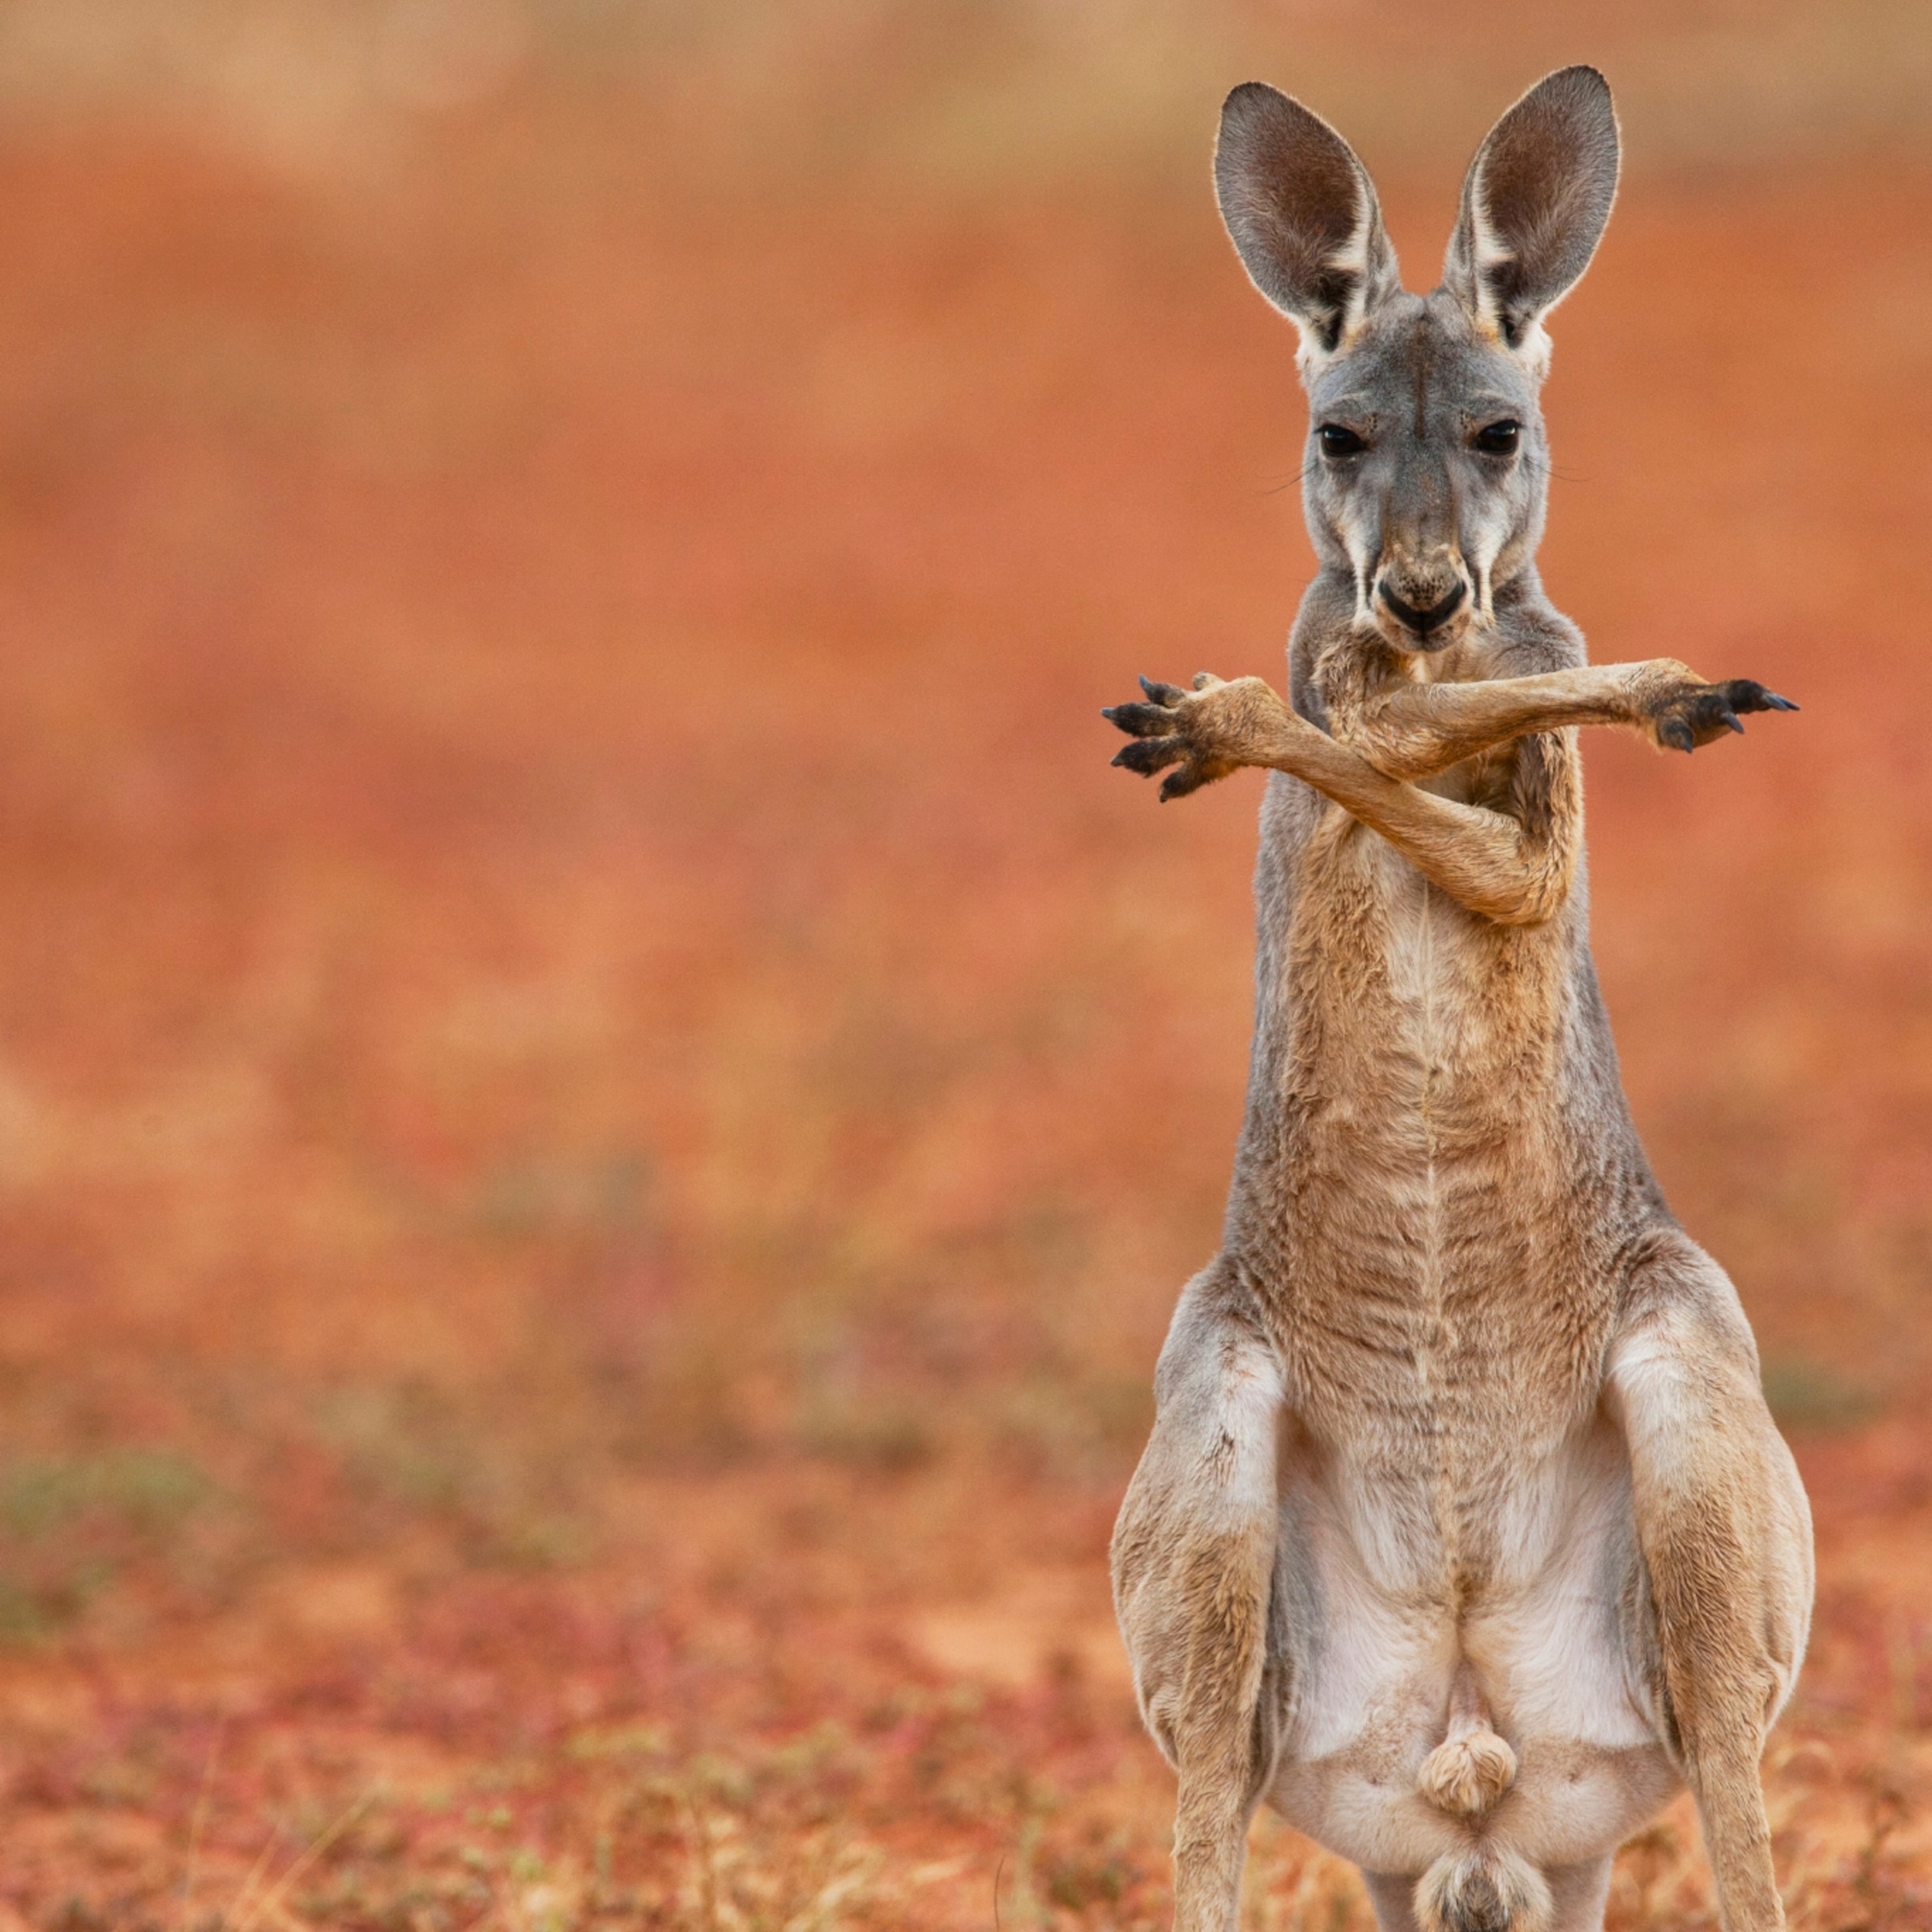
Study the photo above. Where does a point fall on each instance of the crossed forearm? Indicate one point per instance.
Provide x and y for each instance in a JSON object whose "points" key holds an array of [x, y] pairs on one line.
{"points": [[1401, 732], [1483, 860], [1416, 731]]}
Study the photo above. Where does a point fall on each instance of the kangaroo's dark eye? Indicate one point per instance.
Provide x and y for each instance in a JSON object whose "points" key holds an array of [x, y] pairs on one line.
{"points": [[1337, 441], [1499, 439]]}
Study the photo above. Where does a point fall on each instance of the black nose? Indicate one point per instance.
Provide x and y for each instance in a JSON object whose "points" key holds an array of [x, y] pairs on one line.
{"points": [[1422, 621]]}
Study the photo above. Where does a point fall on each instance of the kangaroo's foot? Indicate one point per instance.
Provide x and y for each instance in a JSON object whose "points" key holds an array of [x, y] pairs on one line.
{"points": [[1685, 712], [1207, 732]]}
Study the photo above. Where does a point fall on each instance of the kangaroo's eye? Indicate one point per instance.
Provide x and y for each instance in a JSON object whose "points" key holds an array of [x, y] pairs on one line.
{"points": [[1499, 439], [1339, 441]]}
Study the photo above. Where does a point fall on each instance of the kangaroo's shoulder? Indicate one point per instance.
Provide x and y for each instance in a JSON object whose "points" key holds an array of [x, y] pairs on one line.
{"points": [[1327, 611], [1531, 634]]}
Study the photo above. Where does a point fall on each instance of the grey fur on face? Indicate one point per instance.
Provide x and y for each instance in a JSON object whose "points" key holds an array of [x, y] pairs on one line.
{"points": [[1425, 467], [1413, 506]]}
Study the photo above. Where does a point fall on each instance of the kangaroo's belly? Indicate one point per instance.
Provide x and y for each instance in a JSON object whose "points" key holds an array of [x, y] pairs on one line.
{"points": [[1386, 1625]]}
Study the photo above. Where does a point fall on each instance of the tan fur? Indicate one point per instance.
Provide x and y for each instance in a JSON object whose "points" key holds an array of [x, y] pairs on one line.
{"points": [[1469, 1771], [1471, 1892], [1467, 1774], [1463, 1536]]}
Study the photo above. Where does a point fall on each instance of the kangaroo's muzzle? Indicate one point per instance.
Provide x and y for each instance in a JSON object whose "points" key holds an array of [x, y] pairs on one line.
{"points": [[1422, 623]]}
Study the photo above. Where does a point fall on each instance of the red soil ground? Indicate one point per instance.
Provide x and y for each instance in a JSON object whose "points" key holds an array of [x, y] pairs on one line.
{"points": [[604, 1098]]}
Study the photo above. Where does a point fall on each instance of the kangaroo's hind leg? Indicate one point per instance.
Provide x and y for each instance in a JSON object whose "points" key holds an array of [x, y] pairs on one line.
{"points": [[1726, 1541], [1194, 1555]]}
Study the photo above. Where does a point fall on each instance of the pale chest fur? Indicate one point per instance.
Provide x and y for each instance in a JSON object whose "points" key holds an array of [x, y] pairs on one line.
{"points": [[1440, 1311]]}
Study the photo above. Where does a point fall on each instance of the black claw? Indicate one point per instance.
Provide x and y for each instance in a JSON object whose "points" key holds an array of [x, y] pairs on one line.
{"points": [[1163, 695], [1675, 732], [1729, 719], [1149, 755], [1140, 721], [1745, 693]]}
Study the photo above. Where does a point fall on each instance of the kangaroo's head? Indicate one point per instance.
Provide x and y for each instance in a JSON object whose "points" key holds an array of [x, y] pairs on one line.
{"points": [[1426, 468]]}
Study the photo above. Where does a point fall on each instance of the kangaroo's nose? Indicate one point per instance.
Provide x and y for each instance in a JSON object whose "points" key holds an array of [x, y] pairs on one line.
{"points": [[1422, 621]]}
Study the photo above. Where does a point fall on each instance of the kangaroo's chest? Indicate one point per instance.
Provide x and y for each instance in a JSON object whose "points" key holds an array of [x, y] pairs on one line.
{"points": [[1418, 1022], [1429, 1282]]}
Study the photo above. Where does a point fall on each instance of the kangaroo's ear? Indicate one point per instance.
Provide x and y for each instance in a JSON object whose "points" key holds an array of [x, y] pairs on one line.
{"points": [[1302, 215], [1534, 206]]}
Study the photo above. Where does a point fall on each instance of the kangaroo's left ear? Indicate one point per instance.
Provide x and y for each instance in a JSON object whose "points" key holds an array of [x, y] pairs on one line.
{"points": [[1534, 206]]}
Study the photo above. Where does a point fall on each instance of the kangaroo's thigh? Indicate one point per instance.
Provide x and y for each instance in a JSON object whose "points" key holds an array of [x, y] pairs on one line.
{"points": [[1726, 1535], [1193, 1556]]}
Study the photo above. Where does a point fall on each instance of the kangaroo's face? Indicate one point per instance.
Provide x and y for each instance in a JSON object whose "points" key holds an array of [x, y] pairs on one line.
{"points": [[1425, 465], [1425, 468]]}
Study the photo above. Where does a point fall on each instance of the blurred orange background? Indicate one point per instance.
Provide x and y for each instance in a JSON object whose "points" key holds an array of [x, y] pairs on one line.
{"points": [[603, 1098]]}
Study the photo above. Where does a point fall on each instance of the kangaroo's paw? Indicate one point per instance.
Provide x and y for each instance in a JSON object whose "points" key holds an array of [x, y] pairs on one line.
{"points": [[1204, 733], [1689, 713]]}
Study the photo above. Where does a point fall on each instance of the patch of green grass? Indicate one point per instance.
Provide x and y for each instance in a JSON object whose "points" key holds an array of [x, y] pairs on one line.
{"points": [[406, 1447], [148, 1491], [68, 1523], [871, 1435], [1805, 1394]]}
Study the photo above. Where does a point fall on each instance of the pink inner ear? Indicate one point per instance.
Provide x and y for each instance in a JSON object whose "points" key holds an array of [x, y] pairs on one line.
{"points": [[1298, 206], [1536, 201]]}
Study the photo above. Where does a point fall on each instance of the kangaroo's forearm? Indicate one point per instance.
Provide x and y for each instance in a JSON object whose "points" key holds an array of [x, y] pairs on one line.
{"points": [[1415, 730], [1418, 730], [1483, 860], [1487, 861]]}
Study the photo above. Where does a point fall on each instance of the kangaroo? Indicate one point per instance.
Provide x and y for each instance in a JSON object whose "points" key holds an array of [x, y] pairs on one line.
{"points": [[1463, 1537]]}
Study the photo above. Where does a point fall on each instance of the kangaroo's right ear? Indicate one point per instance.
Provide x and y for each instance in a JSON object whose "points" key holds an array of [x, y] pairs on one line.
{"points": [[1303, 216]]}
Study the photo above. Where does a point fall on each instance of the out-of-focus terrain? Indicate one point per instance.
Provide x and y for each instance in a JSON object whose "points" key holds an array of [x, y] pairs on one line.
{"points": [[602, 1096]]}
